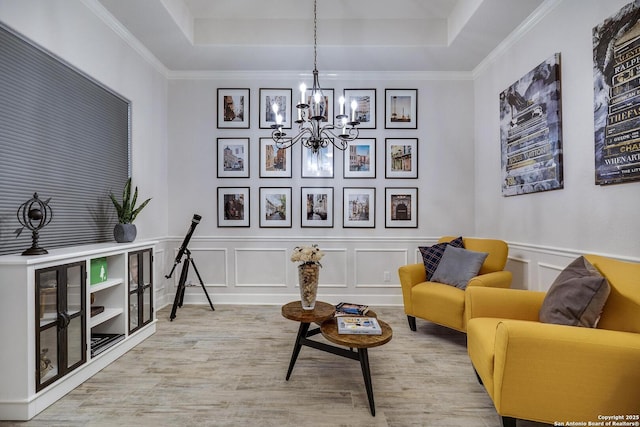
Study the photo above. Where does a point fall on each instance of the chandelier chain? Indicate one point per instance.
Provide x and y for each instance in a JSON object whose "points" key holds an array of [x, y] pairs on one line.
{"points": [[315, 35]]}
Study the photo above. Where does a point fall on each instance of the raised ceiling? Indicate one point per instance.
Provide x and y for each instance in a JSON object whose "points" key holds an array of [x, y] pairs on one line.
{"points": [[353, 35]]}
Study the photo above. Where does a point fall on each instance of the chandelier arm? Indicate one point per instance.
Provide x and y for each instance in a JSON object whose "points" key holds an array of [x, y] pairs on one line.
{"points": [[288, 141], [350, 135]]}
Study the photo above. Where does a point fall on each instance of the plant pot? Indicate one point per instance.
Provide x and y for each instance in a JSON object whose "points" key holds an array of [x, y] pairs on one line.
{"points": [[124, 233], [308, 275]]}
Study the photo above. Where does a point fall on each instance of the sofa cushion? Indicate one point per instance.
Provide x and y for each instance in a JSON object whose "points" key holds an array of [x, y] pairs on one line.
{"points": [[431, 255], [457, 266], [576, 297]]}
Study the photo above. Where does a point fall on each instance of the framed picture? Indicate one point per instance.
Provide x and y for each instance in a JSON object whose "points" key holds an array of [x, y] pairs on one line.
{"points": [[401, 207], [359, 207], [233, 157], [233, 207], [272, 100], [401, 108], [327, 112], [274, 162], [319, 165], [365, 111], [275, 206], [360, 159], [316, 207], [401, 158], [233, 109]]}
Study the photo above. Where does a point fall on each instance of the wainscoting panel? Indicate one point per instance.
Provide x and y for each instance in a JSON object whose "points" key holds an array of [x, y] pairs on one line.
{"points": [[258, 269], [210, 263], [519, 268], [261, 267], [378, 268], [333, 273], [547, 273]]}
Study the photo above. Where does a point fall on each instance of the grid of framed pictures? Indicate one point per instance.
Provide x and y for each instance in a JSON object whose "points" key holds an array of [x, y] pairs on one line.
{"points": [[359, 160]]}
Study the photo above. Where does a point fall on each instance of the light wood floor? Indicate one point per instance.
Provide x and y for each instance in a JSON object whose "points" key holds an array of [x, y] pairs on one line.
{"points": [[227, 368]]}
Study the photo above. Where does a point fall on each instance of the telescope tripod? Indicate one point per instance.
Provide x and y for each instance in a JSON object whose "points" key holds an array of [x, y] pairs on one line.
{"points": [[179, 298]]}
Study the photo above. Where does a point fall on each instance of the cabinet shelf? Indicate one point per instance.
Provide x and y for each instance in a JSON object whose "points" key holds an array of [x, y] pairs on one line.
{"points": [[108, 313], [106, 284]]}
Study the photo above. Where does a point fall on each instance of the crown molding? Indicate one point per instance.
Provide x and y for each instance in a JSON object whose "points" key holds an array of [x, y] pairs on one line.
{"points": [[337, 75], [543, 10], [99, 10]]}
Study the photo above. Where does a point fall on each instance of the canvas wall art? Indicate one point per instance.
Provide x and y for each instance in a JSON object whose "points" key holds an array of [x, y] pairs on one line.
{"points": [[531, 131], [616, 108]]}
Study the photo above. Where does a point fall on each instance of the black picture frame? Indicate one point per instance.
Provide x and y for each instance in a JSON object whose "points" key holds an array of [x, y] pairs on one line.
{"points": [[233, 108]]}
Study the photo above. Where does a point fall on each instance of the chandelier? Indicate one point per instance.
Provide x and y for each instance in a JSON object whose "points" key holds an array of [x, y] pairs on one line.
{"points": [[314, 130]]}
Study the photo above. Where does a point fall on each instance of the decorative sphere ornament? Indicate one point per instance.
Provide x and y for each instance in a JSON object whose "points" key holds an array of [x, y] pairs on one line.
{"points": [[34, 214]]}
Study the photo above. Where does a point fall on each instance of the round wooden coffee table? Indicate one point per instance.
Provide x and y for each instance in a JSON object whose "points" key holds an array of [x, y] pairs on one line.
{"points": [[362, 342], [323, 314]]}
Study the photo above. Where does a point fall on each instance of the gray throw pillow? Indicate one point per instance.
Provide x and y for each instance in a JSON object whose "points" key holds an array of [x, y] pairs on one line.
{"points": [[431, 255], [576, 297], [458, 266]]}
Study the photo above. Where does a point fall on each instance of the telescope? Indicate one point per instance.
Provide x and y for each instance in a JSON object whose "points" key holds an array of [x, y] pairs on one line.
{"points": [[194, 222], [179, 298]]}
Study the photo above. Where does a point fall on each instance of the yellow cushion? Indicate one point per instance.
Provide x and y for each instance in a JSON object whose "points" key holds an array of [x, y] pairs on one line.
{"points": [[622, 309], [481, 337], [440, 303]]}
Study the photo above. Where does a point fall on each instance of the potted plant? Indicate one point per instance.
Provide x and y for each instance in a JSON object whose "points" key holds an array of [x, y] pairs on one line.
{"points": [[125, 230]]}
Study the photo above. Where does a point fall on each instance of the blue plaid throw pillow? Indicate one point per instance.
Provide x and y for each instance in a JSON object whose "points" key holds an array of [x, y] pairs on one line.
{"points": [[431, 255]]}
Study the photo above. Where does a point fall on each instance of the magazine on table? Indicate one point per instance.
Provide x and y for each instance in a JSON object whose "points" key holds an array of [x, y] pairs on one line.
{"points": [[350, 309], [359, 325]]}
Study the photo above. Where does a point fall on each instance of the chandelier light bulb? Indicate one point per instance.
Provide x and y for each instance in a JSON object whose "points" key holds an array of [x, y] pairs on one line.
{"points": [[354, 106]]}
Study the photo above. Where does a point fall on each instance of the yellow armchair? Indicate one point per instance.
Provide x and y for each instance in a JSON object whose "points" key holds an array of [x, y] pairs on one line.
{"points": [[555, 373], [445, 304]]}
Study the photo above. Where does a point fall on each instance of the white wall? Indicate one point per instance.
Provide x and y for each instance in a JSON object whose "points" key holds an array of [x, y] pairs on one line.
{"points": [[174, 161], [252, 264], [546, 229], [74, 31]]}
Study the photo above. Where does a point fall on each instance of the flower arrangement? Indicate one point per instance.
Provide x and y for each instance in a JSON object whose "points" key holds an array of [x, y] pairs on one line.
{"points": [[307, 255]]}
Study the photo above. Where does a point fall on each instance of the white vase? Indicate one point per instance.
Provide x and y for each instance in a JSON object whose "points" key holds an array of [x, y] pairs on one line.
{"points": [[308, 275]]}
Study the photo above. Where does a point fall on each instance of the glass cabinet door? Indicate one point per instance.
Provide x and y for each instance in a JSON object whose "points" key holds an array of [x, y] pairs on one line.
{"points": [[74, 332], [47, 326], [140, 289], [60, 322]]}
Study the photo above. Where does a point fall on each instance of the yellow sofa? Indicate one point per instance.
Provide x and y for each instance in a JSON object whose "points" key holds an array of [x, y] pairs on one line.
{"points": [[445, 304], [555, 373]]}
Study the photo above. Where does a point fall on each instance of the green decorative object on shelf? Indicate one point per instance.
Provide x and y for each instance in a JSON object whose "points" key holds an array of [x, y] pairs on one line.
{"points": [[98, 270], [127, 211]]}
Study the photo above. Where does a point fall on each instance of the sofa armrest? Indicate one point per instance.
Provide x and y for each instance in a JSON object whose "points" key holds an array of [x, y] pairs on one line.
{"points": [[496, 279], [410, 275], [591, 371], [502, 303]]}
